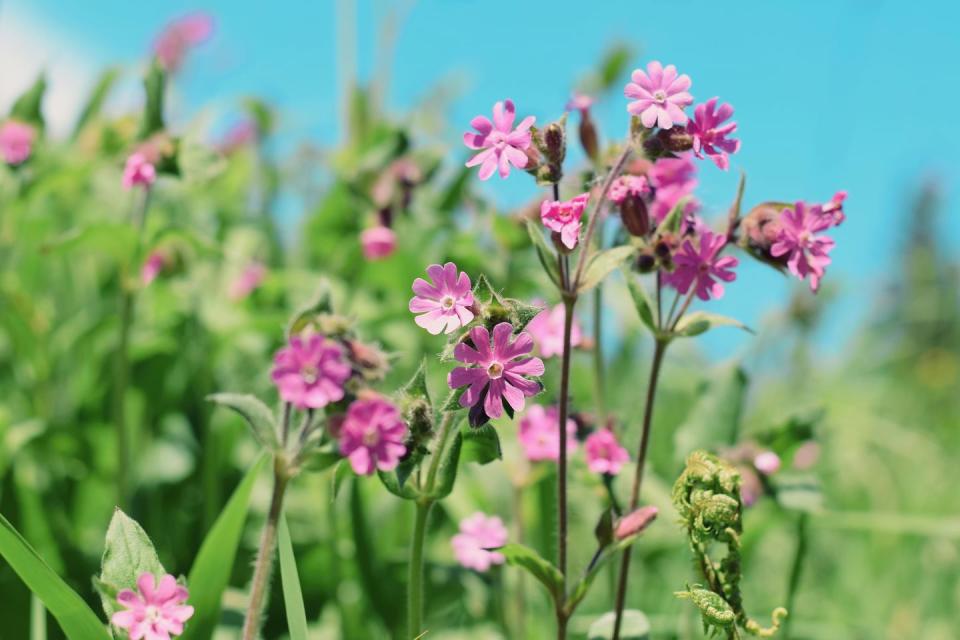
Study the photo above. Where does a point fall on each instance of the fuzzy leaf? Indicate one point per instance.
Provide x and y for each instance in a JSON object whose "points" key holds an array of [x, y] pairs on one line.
{"points": [[521, 313], [447, 475], [417, 386], [392, 483], [258, 416], [643, 303], [128, 552], [519, 555], [481, 445], [699, 322], [548, 259], [453, 400], [602, 264], [634, 625]]}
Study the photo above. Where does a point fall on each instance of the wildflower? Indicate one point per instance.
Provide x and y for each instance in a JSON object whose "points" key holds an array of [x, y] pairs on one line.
{"points": [[445, 303], [666, 198], [372, 435], [710, 134], [138, 172], [660, 96], [478, 534], [502, 144], [833, 210], [564, 217], [807, 253], [496, 373], [16, 141], [604, 453], [152, 267], [173, 43], [701, 265], [156, 611], [540, 433], [580, 102], [547, 331], [248, 280], [767, 462], [635, 522], [626, 186], [378, 242], [310, 371], [667, 172]]}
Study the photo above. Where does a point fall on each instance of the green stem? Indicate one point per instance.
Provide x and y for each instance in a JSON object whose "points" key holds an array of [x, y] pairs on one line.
{"points": [[598, 364], [415, 581], [796, 571], [569, 302]]}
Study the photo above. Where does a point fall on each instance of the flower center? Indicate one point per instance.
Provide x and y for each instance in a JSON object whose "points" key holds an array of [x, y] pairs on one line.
{"points": [[371, 437], [309, 374], [152, 613], [495, 370], [660, 96], [447, 303], [806, 238]]}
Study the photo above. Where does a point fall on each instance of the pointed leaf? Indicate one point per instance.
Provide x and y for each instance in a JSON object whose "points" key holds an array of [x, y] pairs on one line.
{"points": [[447, 475], [481, 445], [341, 471], [127, 553], [519, 555], [29, 107], [644, 305], [97, 97], [548, 259], [417, 386], [698, 322], [290, 579], [392, 483], [154, 85], [602, 264], [258, 416], [671, 223]]}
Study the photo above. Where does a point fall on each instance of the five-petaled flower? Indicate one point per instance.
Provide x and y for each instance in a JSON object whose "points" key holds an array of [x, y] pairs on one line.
{"points": [[372, 435], [310, 371], [156, 611], [660, 96], [564, 217], [797, 239], [478, 534], [700, 265], [501, 144], [540, 433], [16, 141], [445, 303], [495, 372], [604, 453], [547, 331], [138, 171], [710, 134]]}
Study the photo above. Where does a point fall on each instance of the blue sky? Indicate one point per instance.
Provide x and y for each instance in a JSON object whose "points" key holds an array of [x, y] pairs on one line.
{"points": [[857, 95]]}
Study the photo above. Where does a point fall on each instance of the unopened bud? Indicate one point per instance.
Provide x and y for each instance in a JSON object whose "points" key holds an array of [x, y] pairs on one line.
{"points": [[588, 136], [761, 227], [767, 463], [635, 522], [646, 262], [636, 219], [555, 141], [368, 359]]}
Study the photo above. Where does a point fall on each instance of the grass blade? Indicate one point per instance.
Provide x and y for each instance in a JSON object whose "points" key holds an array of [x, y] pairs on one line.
{"points": [[292, 595]]}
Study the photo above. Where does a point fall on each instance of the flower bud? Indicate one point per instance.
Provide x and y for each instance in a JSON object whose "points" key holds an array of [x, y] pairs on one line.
{"points": [[555, 141], [588, 136], [635, 522], [767, 463], [761, 226], [368, 359], [646, 262], [636, 219]]}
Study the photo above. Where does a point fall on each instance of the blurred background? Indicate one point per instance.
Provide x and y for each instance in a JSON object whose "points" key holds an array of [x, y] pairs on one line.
{"points": [[310, 105]]}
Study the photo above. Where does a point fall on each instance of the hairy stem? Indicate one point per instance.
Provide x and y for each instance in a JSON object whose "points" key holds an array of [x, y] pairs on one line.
{"points": [[598, 363], [568, 304], [415, 580], [796, 570]]}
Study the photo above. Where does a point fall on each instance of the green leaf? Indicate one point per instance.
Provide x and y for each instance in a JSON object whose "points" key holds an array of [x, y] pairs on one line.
{"points": [[29, 107], [521, 313], [614, 65], [292, 595], [453, 400], [258, 416], [671, 223], [321, 304], [693, 324], [522, 556], [320, 460], [480, 445], [154, 85], [97, 97], [77, 620], [714, 421], [634, 625], [641, 300], [199, 162], [602, 263], [38, 619], [214, 562], [417, 386], [548, 259], [115, 239], [392, 483], [127, 553], [799, 492], [447, 475]]}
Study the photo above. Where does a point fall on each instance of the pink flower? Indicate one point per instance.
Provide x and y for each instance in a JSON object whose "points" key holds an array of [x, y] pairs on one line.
{"points": [[626, 186], [547, 331], [310, 371], [710, 134], [806, 455], [248, 280], [666, 198], [156, 611], [540, 433], [767, 462], [138, 171], [604, 453], [443, 304], [563, 216], [152, 267], [478, 534], [750, 486], [502, 145], [834, 209], [378, 242], [700, 266], [173, 43], [580, 102], [372, 435], [807, 253], [497, 372], [667, 172], [660, 96], [635, 522], [16, 141]]}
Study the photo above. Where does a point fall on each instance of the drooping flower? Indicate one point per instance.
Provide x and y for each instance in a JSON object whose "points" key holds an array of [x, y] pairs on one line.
{"points": [[178, 37], [372, 435], [501, 144], [310, 371], [635, 522], [807, 252], [564, 217], [580, 102], [604, 453], [152, 267], [547, 331], [495, 372], [248, 280], [478, 534], [660, 96], [767, 462], [833, 210], [138, 172], [668, 172], [445, 303], [156, 611], [628, 185], [540, 433], [710, 134], [701, 265], [16, 141], [378, 242]]}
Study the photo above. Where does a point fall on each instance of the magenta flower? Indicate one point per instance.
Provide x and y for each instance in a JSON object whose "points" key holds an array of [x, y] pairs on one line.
{"points": [[626, 186], [445, 303], [580, 102], [152, 267], [502, 144], [660, 96], [701, 265], [138, 172], [156, 611], [248, 280], [547, 331], [378, 242], [834, 209], [604, 453], [710, 134], [807, 253], [666, 198], [372, 435], [178, 37], [540, 433], [16, 141], [496, 372], [668, 172], [767, 463], [564, 217], [310, 371], [478, 534]]}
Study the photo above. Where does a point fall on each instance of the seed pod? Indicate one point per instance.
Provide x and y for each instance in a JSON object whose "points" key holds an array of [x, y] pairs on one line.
{"points": [[636, 219], [588, 136]]}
